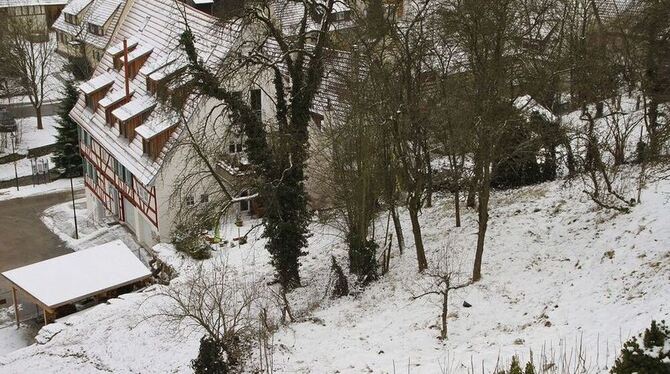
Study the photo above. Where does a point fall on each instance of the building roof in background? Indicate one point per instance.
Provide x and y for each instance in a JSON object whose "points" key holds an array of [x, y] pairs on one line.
{"points": [[103, 12], [290, 13], [611, 9], [74, 7], [16, 3], [97, 12]]}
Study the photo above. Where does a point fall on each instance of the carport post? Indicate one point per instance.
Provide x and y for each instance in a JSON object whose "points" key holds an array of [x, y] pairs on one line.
{"points": [[44, 311], [16, 308]]}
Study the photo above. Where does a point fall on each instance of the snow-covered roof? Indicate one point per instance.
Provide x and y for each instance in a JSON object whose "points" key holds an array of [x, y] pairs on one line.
{"points": [[611, 9], [114, 97], [97, 12], [148, 69], [290, 14], [168, 70], [79, 275], [155, 25], [140, 51], [74, 7], [327, 101], [156, 126], [118, 47], [16, 3], [134, 107], [96, 83], [102, 13]]}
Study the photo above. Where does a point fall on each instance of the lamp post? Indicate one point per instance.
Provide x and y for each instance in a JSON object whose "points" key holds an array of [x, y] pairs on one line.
{"points": [[74, 210], [70, 170]]}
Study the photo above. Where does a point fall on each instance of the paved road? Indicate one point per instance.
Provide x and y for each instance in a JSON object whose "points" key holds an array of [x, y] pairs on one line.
{"points": [[24, 239]]}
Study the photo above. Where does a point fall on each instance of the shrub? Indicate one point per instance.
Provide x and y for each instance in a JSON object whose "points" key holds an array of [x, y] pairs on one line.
{"points": [[212, 358], [646, 353], [190, 241], [515, 367], [341, 283]]}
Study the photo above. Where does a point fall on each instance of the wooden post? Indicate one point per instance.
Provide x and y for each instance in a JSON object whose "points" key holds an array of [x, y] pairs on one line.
{"points": [[16, 307], [125, 67], [44, 311]]}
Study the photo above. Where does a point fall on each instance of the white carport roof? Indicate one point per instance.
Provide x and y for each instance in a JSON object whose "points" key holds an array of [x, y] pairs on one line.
{"points": [[76, 276]]}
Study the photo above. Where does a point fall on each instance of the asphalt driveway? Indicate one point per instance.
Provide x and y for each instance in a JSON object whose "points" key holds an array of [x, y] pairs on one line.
{"points": [[24, 239]]}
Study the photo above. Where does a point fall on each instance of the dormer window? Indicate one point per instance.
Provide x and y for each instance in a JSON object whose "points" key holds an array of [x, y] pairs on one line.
{"points": [[113, 101], [317, 119], [131, 115], [95, 89], [71, 19], [156, 134], [136, 59], [117, 52], [159, 79], [96, 30], [341, 16]]}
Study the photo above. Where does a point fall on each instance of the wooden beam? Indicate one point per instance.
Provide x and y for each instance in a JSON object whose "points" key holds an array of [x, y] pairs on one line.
{"points": [[16, 308]]}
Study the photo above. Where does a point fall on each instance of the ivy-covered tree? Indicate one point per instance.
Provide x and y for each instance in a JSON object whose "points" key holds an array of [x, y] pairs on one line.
{"points": [[66, 155], [295, 62], [211, 358]]}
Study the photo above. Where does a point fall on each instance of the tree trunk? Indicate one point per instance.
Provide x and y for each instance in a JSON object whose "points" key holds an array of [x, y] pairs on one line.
{"points": [[398, 229], [445, 309], [457, 208], [570, 159], [429, 184], [483, 196], [472, 188], [652, 130], [416, 230], [38, 114]]}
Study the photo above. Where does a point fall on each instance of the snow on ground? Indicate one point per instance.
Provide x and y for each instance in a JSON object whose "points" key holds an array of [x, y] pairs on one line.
{"points": [[24, 168], [59, 185], [548, 281], [559, 274], [92, 232], [12, 339], [30, 137]]}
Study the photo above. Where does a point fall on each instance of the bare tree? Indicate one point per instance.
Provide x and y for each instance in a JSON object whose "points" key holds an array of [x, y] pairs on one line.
{"points": [[355, 165], [219, 303], [444, 275], [24, 56], [483, 30]]}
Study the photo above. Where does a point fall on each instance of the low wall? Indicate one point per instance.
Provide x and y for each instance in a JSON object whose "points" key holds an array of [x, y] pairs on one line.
{"points": [[24, 110]]}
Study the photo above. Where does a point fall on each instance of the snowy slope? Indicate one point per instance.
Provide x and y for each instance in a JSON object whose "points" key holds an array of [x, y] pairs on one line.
{"points": [[559, 274]]}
